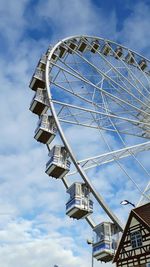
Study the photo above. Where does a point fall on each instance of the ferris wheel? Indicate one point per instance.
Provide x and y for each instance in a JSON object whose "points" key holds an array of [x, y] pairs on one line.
{"points": [[98, 91]]}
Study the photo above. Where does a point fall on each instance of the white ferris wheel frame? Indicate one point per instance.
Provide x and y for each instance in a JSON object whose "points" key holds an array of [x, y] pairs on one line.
{"points": [[77, 164]]}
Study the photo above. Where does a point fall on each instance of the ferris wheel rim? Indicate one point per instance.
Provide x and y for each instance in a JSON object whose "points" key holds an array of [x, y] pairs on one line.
{"points": [[98, 38], [66, 143], [114, 98], [51, 102]]}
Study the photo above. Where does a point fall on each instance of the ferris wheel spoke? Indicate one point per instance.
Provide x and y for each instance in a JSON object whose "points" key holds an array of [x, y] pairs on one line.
{"points": [[85, 100], [115, 69], [105, 158], [131, 73], [145, 76], [88, 101], [112, 82], [123, 168], [130, 151], [79, 73], [106, 109], [146, 191], [70, 86], [125, 110], [116, 159], [115, 98], [135, 122], [125, 131]]}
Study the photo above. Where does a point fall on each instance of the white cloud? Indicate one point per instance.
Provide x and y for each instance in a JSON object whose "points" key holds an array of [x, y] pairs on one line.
{"points": [[12, 23], [34, 230], [76, 17], [27, 246], [135, 33]]}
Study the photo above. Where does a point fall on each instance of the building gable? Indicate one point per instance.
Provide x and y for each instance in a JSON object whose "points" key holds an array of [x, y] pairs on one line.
{"points": [[134, 247]]}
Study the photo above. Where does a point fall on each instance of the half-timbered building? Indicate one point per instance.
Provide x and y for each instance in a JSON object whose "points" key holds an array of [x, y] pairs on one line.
{"points": [[134, 246]]}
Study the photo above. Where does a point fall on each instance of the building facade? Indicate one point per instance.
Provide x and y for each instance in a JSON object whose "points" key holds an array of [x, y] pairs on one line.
{"points": [[134, 246]]}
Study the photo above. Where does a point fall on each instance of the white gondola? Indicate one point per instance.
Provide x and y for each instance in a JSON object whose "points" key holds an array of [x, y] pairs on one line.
{"points": [[62, 51], [39, 104], [82, 46], [38, 79], [118, 52], [106, 236], [142, 64], [49, 50], [54, 56], [130, 58], [106, 49], [46, 130], [79, 204], [42, 62], [72, 46], [95, 46], [58, 165]]}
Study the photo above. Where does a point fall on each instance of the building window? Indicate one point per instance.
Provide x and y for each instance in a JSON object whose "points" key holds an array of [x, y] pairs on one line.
{"points": [[136, 239]]}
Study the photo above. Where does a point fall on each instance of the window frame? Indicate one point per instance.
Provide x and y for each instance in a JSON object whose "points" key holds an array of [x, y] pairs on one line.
{"points": [[136, 239]]}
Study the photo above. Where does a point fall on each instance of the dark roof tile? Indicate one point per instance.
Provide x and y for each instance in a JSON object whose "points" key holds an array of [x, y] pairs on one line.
{"points": [[144, 213]]}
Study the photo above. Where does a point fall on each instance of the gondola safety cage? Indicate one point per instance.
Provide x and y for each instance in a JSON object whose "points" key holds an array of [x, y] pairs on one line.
{"points": [[39, 104], [106, 236], [58, 165], [80, 204], [38, 79], [46, 129]]}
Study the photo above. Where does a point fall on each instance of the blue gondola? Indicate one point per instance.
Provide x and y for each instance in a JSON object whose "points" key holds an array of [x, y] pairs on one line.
{"points": [[79, 204], [42, 62], [38, 79], [39, 104], [46, 130], [106, 237], [58, 165]]}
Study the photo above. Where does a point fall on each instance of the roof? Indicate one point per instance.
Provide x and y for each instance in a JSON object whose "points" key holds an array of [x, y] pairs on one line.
{"points": [[142, 214]]}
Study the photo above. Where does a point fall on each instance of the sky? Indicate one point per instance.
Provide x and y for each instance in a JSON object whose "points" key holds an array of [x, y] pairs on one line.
{"points": [[34, 230]]}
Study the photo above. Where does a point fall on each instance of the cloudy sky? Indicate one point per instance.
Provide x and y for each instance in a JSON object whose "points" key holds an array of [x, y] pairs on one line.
{"points": [[34, 230]]}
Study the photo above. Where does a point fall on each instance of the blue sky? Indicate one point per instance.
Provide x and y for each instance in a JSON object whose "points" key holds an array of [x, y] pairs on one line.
{"points": [[34, 230]]}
